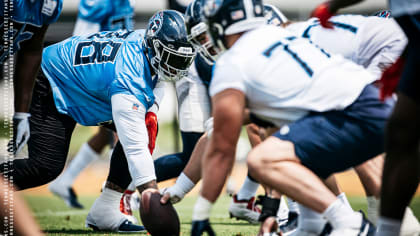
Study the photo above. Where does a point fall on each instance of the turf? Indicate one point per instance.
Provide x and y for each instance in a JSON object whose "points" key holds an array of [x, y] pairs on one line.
{"points": [[56, 219]]}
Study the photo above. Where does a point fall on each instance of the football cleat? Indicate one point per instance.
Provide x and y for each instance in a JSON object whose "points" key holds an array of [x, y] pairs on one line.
{"points": [[125, 227], [365, 229], [410, 225], [129, 201], [291, 224], [244, 210], [67, 194]]}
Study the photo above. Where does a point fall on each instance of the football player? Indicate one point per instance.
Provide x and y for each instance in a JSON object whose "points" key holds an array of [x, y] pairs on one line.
{"points": [[324, 104], [104, 79], [28, 22], [95, 16], [401, 170]]}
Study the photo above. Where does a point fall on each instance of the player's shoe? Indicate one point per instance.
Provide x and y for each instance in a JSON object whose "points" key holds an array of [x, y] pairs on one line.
{"points": [[129, 201], [244, 210], [103, 217], [65, 193], [410, 225], [365, 229], [291, 225]]}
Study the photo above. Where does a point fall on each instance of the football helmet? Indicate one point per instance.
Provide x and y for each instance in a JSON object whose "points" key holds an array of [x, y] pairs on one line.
{"points": [[197, 31], [167, 47], [274, 16], [227, 17]]}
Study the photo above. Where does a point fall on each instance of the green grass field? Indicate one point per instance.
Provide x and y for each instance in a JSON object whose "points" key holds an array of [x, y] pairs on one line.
{"points": [[56, 219]]}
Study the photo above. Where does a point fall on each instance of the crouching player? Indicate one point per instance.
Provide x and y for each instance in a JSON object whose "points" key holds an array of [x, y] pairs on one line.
{"points": [[330, 115], [103, 79]]}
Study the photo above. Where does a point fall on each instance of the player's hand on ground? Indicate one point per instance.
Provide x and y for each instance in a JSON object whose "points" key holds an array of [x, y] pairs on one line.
{"points": [[172, 194], [21, 132], [200, 227], [323, 13], [152, 129], [269, 227], [389, 80]]}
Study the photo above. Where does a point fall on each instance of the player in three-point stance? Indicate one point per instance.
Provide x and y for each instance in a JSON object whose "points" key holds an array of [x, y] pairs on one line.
{"points": [[103, 79]]}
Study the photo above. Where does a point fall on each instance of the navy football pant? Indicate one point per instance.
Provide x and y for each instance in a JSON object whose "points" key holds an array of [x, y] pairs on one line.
{"points": [[48, 144]]}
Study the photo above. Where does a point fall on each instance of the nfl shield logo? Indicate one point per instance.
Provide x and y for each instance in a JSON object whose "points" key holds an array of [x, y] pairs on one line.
{"points": [[135, 106]]}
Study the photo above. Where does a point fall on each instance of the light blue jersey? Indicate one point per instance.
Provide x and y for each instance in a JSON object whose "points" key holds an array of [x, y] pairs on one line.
{"points": [[37, 13], [110, 14], [28, 16], [85, 71]]}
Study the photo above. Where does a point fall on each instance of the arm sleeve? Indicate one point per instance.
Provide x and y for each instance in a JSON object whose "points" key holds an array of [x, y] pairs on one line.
{"points": [[129, 114]]}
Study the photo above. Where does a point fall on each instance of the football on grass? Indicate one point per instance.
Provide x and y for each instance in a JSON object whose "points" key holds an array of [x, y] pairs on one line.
{"points": [[159, 219]]}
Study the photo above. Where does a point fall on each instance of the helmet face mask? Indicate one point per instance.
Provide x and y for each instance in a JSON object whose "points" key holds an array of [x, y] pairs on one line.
{"points": [[167, 47], [197, 31], [201, 41], [274, 16]]}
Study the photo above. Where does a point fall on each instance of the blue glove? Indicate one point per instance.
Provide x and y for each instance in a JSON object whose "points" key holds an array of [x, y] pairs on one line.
{"points": [[201, 226]]}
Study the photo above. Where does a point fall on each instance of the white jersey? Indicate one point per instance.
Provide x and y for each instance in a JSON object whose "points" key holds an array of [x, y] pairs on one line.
{"points": [[373, 42], [404, 7], [284, 77], [193, 102]]}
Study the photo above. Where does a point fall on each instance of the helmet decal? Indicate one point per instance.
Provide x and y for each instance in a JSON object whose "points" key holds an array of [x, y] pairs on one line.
{"points": [[155, 23]]}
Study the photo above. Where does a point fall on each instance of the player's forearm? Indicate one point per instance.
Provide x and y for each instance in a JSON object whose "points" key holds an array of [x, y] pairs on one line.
{"points": [[26, 70], [193, 168], [336, 5], [216, 168]]}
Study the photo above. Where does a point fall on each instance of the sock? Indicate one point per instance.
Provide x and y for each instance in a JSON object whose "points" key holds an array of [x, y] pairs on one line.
{"points": [[372, 209], [283, 212], [107, 204], [293, 205], [248, 189], [341, 216], [343, 198], [388, 226], [309, 220], [83, 158]]}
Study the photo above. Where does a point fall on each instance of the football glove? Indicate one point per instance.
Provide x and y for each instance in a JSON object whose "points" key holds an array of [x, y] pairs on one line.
{"points": [[21, 132], [152, 129], [323, 13], [199, 227], [389, 79]]}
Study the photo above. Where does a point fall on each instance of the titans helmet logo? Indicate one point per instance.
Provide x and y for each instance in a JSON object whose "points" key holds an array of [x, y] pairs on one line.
{"points": [[155, 23]]}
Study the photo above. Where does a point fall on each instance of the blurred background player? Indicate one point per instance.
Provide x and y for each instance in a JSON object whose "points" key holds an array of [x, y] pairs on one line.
{"points": [[95, 16], [31, 19], [402, 163]]}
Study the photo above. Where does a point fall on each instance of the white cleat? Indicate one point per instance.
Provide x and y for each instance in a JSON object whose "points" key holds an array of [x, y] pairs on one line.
{"points": [[244, 210], [65, 193], [105, 216]]}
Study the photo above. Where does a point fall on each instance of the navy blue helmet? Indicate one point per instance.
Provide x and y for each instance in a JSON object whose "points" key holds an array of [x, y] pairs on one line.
{"points": [[274, 16], [197, 31], [227, 17], [166, 45]]}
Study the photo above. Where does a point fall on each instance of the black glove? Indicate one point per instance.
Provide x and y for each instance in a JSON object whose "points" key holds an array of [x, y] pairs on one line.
{"points": [[201, 226]]}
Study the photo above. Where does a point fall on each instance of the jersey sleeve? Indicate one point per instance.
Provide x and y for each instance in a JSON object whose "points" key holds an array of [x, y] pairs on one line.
{"points": [[94, 10], [226, 76], [128, 115]]}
